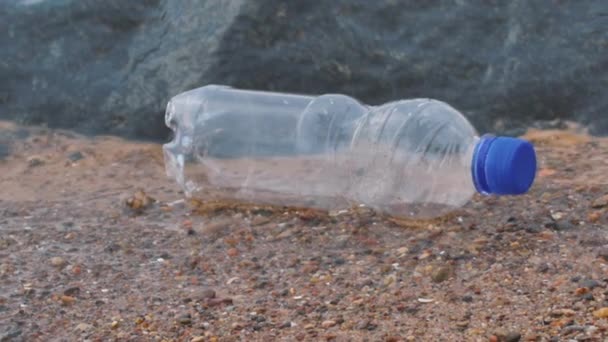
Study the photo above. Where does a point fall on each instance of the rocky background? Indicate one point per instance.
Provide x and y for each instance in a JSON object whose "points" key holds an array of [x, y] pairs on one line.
{"points": [[109, 67]]}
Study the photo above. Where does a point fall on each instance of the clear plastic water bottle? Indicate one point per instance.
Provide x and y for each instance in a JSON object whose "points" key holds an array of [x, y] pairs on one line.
{"points": [[409, 158]]}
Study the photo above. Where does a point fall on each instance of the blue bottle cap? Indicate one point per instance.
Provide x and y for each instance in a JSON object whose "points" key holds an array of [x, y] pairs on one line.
{"points": [[503, 165]]}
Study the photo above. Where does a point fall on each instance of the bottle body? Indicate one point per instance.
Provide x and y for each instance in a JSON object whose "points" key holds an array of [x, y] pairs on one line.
{"points": [[409, 158]]}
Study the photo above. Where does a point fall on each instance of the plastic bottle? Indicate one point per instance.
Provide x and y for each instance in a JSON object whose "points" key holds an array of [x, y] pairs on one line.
{"points": [[409, 158]]}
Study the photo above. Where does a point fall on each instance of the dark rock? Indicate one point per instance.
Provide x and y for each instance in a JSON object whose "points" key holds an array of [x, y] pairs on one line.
{"points": [[75, 156], [507, 336], [185, 319], [563, 225], [588, 296], [590, 283], [72, 291], [512, 337], [442, 273], [111, 66], [467, 299]]}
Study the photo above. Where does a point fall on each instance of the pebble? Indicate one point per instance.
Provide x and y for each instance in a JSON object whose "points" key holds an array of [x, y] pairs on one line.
{"points": [[507, 336], [402, 251], [441, 274], [572, 328], [198, 339], [75, 156], [185, 319], [219, 301], [562, 312], [285, 234], [590, 283], [600, 202], [467, 298], [58, 261], [206, 294], [328, 324], [512, 337], [34, 161], [72, 291], [67, 300], [601, 313], [563, 225], [83, 327], [233, 252]]}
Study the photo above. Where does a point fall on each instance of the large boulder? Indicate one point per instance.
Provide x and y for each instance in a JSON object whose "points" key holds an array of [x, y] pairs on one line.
{"points": [[111, 66]]}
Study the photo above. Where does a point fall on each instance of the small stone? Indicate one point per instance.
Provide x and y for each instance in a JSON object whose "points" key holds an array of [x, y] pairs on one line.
{"points": [[328, 324], [588, 296], [557, 216], [34, 161], [75, 156], [572, 328], [590, 283], [600, 202], [309, 326], [206, 294], [562, 312], [462, 324], [512, 337], [467, 298], [285, 234], [219, 301], [58, 262], [72, 291], [563, 225], [388, 280], [403, 251], [232, 252], [366, 325], [442, 273], [84, 327], [185, 319], [198, 339], [114, 325], [601, 313], [285, 325], [67, 300], [533, 229]]}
